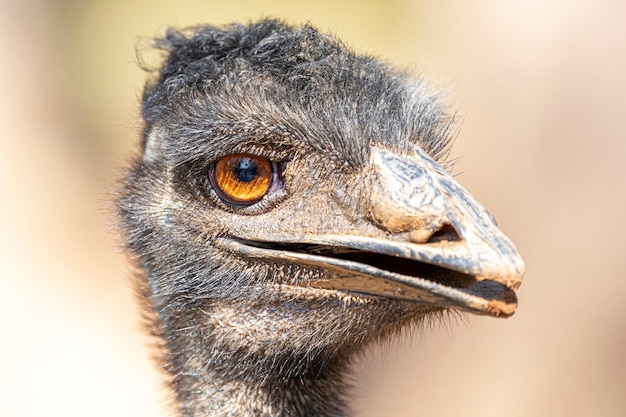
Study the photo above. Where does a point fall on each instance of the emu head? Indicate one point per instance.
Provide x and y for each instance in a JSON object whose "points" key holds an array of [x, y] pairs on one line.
{"points": [[290, 205]]}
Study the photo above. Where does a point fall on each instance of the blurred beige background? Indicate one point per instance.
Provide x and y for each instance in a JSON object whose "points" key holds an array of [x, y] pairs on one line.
{"points": [[542, 89]]}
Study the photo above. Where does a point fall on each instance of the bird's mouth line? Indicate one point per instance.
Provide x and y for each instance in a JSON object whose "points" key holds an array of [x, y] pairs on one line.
{"points": [[373, 273]]}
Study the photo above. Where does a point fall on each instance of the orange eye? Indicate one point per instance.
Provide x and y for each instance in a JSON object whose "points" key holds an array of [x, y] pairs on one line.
{"points": [[242, 179]]}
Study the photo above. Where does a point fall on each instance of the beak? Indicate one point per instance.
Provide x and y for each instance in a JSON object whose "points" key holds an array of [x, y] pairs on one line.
{"points": [[445, 248]]}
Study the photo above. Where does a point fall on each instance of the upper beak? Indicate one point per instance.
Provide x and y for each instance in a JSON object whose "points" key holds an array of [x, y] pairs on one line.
{"points": [[445, 248], [415, 195]]}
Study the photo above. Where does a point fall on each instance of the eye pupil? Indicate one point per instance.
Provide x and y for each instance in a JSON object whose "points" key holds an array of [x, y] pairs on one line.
{"points": [[246, 171]]}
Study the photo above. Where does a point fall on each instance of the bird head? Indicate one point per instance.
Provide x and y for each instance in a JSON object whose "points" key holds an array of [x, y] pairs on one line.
{"points": [[290, 199]]}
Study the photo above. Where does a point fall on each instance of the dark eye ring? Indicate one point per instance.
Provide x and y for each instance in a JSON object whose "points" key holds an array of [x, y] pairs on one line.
{"points": [[241, 180]]}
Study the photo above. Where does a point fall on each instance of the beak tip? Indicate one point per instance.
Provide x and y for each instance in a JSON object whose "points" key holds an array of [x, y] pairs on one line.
{"points": [[519, 269], [504, 310], [498, 299]]}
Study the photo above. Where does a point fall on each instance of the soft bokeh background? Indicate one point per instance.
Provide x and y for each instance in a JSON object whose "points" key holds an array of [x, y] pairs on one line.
{"points": [[542, 89]]}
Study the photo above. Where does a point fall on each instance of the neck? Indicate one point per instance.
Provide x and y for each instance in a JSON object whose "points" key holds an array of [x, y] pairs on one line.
{"points": [[223, 363], [216, 392], [277, 354]]}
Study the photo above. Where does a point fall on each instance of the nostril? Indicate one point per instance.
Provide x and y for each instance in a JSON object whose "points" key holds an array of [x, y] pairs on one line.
{"points": [[447, 232]]}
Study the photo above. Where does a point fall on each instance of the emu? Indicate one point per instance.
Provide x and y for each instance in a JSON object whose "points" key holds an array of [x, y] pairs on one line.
{"points": [[289, 208]]}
